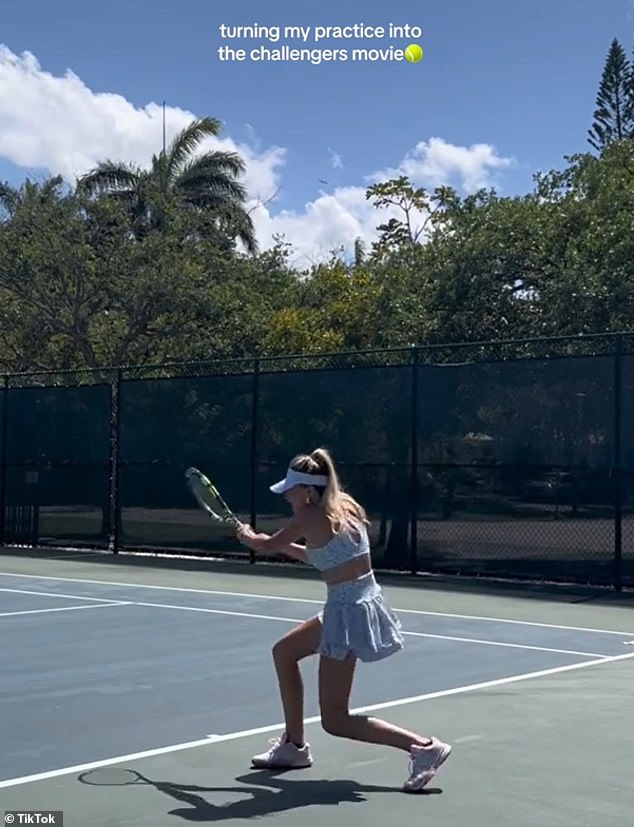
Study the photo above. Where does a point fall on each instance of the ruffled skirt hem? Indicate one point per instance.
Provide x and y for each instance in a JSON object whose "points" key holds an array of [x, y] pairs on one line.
{"points": [[357, 621]]}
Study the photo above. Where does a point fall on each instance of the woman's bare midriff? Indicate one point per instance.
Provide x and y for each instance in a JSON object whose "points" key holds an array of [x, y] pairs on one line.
{"points": [[350, 570]]}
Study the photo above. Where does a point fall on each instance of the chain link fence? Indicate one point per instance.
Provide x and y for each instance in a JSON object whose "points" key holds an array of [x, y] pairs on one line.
{"points": [[507, 459]]}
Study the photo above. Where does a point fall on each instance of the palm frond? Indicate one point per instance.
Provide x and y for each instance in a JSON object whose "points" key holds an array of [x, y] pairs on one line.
{"points": [[31, 194], [238, 222], [228, 162], [205, 191], [212, 199], [187, 141], [50, 187], [109, 176], [212, 175]]}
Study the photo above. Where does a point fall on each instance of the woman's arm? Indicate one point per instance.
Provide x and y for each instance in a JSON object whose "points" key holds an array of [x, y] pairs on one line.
{"points": [[295, 551], [282, 542]]}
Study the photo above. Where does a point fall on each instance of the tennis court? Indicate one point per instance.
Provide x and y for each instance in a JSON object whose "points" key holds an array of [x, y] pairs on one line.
{"points": [[116, 671]]}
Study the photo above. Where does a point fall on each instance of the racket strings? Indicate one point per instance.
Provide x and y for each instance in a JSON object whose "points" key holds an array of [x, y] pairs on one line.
{"points": [[209, 497]]}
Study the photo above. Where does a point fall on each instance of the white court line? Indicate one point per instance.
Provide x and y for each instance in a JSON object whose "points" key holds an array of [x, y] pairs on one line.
{"points": [[319, 602], [64, 609], [234, 736], [510, 645], [216, 611], [205, 610], [255, 616], [59, 594]]}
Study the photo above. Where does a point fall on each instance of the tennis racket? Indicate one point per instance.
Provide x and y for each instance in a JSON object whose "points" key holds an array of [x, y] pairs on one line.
{"points": [[209, 498]]}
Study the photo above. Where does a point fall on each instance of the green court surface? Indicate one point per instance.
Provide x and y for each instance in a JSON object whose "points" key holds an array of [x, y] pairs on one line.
{"points": [[531, 686]]}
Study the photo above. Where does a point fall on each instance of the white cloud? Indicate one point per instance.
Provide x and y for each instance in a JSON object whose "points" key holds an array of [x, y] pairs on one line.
{"points": [[335, 159], [337, 219], [435, 162], [327, 223], [59, 124]]}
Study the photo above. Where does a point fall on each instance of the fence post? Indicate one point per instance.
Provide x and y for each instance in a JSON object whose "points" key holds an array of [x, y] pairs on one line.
{"points": [[115, 417], [3, 456], [414, 465], [254, 446], [617, 484]]}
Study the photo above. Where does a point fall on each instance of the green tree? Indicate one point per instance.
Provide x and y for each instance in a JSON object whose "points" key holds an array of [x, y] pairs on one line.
{"points": [[45, 274], [614, 113], [244, 295], [413, 207], [207, 184], [332, 308], [77, 290], [591, 284]]}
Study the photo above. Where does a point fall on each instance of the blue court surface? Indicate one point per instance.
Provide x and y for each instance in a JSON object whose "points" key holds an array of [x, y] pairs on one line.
{"points": [[168, 673]]}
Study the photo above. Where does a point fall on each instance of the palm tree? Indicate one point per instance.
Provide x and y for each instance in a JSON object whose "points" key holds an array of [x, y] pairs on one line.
{"points": [[29, 195], [206, 184]]}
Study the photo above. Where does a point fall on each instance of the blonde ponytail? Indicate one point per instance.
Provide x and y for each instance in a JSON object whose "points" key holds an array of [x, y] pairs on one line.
{"points": [[338, 505]]}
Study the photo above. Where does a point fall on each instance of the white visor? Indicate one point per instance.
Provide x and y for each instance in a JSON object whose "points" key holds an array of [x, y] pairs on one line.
{"points": [[294, 478]]}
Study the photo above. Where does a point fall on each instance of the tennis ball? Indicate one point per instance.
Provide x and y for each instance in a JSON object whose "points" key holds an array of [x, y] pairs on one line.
{"points": [[413, 53]]}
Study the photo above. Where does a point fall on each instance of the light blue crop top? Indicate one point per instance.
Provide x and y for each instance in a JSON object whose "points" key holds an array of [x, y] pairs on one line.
{"points": [[344, 546]]}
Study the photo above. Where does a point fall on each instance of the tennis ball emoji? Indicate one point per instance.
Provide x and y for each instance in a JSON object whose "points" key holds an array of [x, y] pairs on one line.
{"points": [[413, 53]]}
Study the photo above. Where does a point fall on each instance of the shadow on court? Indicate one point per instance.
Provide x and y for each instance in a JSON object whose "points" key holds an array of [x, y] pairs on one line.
{"points": [[269, 793]]}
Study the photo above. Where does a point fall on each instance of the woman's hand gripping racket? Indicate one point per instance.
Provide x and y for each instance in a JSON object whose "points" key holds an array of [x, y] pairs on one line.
{"points": [[209, 498]]}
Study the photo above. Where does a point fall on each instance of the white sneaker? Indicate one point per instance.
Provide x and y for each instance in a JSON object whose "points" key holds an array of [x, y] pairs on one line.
{"points": [[424, 762], [283, 755]]}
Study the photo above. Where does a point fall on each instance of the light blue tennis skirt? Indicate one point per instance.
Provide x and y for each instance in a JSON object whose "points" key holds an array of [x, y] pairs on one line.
{"points": [[357, 621]]}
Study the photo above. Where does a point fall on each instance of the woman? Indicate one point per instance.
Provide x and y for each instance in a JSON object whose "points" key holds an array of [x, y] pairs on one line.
{"points": [[355, 624]]}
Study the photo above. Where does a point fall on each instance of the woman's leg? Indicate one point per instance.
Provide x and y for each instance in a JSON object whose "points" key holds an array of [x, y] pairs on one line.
{"points": [[299, 643], [335, 685]]}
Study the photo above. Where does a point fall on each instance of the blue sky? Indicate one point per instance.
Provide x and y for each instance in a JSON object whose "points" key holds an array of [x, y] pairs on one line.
{"points": [[506, 88]]}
